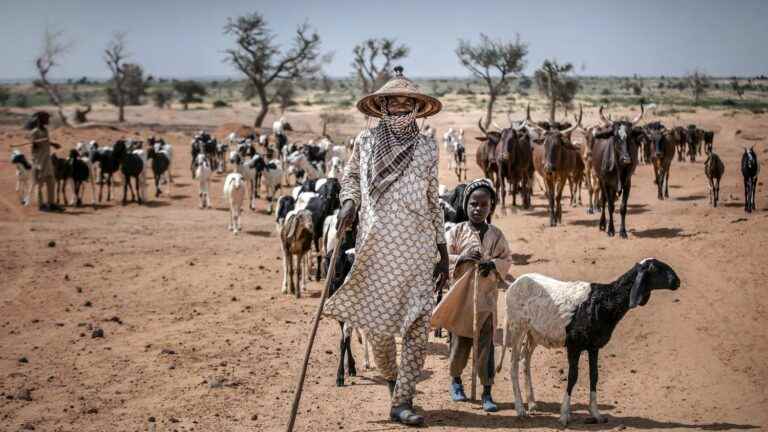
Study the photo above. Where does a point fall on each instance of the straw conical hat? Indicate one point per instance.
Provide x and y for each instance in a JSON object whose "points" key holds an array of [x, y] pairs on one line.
{"points": [[399, 86]]}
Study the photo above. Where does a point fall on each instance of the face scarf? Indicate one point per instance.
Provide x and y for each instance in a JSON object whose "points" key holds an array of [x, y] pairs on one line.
{"points": [[396, 138]]}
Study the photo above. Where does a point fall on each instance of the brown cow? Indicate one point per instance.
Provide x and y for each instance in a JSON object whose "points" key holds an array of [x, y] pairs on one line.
{"points": [[487, 155], [663, 143], [516, 164], [614, 158], [555, 161], [714, 168]]}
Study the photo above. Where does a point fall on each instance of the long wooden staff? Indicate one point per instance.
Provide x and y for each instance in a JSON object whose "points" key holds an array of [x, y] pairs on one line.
{"points": [[474, 335], [328, 280]]}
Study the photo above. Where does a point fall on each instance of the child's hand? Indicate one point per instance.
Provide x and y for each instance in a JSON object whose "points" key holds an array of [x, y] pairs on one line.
{"points": [[486, 267], [469, 256]]}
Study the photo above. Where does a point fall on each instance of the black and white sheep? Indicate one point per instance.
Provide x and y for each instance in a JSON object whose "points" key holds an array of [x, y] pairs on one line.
{"points": [[578, 315]]}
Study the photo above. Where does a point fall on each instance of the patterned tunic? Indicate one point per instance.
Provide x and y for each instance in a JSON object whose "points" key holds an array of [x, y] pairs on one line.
{"points": [[41, 154], [390, 284]]}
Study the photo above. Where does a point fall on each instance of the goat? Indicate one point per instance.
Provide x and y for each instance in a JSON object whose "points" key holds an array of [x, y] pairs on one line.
{"points": [[285, 205], [323, 204], [203, 175], [131, 166], [345, 259], [295, 241], [714, 168], [161, 146], [23, 176], [273, 175], [108, 165], [452, 203], [300, 161], [337, 168], [750, 169], [234, 194], [160, 166], [61, 173], [79, 173], [578, 315], [84, 153], [242, 167]]}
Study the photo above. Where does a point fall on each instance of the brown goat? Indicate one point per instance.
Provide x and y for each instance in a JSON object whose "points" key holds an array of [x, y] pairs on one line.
{"points": [[714, 168], [295, 241]]}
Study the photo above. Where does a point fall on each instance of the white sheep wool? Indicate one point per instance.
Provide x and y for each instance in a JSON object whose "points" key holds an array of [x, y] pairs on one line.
{"points": [[547, 306]]}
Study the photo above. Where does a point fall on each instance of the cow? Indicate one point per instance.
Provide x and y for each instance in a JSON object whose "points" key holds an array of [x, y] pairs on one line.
{"points": [[614, 158], [516, 164], [662, 148], [555, 160]]}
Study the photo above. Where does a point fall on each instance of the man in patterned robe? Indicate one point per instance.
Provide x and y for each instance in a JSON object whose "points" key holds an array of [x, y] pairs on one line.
{"points": [[391, 183]]}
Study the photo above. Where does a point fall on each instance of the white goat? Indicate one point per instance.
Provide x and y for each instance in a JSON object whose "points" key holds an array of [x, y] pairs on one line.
{"points": [[203, 175], [234, 193], [578, 315], [337, 168], [23, 176]]}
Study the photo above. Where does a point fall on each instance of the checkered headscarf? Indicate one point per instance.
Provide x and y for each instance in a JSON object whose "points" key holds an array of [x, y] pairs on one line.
{"points": [[396, 138]]}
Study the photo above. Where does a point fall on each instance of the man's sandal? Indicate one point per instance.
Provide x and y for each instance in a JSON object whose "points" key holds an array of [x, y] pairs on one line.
{"points": [[404, 414]]}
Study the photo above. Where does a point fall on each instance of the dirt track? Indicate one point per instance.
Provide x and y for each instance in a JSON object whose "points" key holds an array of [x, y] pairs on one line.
{"points": [[198, 336]]}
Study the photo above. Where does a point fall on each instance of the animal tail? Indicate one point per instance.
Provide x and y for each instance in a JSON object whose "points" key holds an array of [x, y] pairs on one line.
{"points": [[504, 347]]}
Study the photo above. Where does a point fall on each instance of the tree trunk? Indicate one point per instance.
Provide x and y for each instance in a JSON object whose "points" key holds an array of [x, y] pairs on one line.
{"points": [[262, 92], [552, 107], [489, 110], [53, 95], [121, 113]]}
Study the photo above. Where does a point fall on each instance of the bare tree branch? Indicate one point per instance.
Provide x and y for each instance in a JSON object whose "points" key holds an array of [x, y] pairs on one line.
{"points": [[115, 55], [54, 47], [495, 62], [371, 75], [258, 57]]}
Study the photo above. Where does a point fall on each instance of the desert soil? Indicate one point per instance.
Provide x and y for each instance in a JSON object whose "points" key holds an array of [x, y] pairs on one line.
{"points": [[197, 335]]}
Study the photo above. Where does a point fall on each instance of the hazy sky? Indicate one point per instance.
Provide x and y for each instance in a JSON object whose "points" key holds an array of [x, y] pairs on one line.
{"points": [[184, 38]]}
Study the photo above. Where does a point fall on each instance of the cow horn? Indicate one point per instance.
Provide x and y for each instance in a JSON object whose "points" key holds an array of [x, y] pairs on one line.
{"points": [[639, 116], [531, 122], [578, 123], [606, 122], [521, 126], [480, 125]]}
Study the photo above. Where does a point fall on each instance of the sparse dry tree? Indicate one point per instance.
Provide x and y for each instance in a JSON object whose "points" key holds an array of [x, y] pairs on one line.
{"points": [[260, 59], [53, 49], [698, 82], [496, 62], [737, 88], [371, 71], [115, 55], [555, 83]]}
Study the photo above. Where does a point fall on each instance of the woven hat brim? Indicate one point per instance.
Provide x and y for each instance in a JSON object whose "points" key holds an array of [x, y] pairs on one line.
{"points": [[429, 106]]}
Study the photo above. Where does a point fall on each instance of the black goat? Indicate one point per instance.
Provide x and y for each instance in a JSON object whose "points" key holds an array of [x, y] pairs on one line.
{"points": [[322, 206], [285, 204], [61, 173], [108, 165], [750, 169], [80, 173], [160, 164], [344, 261], [452, 204], [132, 166]]}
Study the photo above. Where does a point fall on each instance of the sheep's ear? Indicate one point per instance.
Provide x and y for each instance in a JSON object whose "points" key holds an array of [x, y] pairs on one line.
{"points": [[639, 289]]}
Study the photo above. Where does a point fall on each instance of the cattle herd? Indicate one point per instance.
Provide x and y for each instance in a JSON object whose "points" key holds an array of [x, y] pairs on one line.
{"points": [[602, 158]]}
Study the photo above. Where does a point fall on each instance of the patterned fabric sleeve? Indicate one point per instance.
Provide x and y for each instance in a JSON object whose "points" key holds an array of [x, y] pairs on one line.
{"points": [[434, 203], [454, 250], [502, 258], [350, 183]]}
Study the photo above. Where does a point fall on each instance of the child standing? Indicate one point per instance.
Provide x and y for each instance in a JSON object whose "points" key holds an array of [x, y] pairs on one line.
{"points": [[474, 246]]}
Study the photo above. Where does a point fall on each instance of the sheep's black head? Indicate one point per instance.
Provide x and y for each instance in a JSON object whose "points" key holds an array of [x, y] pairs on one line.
{"points": [[651, 274]]}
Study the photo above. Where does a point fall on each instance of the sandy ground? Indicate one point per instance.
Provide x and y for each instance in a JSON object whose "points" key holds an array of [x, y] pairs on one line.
{"points": [[198, 337]]}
